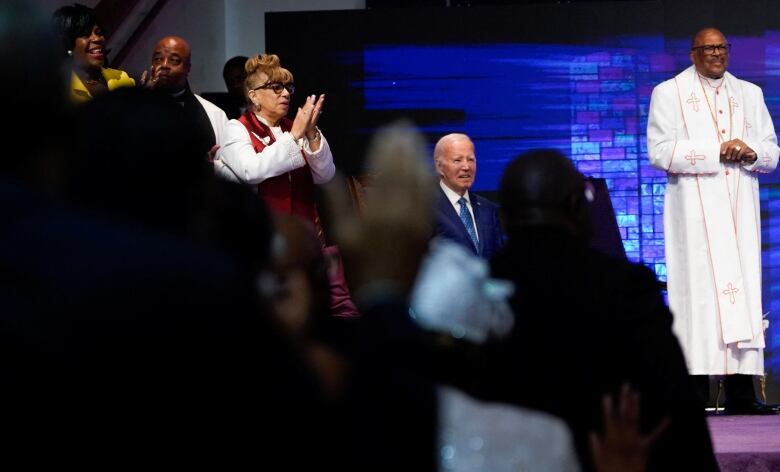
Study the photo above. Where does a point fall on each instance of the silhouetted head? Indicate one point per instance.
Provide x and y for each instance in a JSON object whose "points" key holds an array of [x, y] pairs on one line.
{"points": [[137, 158], [234, 74], [240, 223], [33, 87], [302, 295], [543, 189]]}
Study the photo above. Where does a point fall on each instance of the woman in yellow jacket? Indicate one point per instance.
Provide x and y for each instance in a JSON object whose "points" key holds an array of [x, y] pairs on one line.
{"points": [[84, 41]]}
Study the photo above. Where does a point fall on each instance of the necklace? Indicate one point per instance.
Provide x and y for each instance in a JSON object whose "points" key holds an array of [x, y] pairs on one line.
{"points": [[87, 79], [714, 87], [709, 107]]}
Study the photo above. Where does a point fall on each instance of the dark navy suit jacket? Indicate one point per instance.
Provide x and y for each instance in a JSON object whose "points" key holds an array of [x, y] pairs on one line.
{"points": [[448, 224]]}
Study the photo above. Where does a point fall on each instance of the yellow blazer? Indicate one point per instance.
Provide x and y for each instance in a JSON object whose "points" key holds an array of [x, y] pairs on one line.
{"points": [[115, 79]]}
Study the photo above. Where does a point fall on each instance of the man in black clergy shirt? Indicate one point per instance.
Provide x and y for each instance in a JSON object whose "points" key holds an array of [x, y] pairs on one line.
{"points": [[171, 65]]}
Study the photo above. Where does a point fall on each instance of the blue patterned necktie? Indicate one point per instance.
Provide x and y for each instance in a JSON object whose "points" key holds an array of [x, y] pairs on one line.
{"points": [[465, 217]]}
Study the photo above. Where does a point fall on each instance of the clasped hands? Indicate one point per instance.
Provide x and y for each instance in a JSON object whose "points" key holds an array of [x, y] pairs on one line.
{"points": [[305, 122], [737, 151]]}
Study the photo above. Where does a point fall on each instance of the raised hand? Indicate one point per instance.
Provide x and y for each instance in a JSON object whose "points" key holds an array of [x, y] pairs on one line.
{"points": [[311, 131], [386, 245], [148, 79], [621, 446], [303, 117]]}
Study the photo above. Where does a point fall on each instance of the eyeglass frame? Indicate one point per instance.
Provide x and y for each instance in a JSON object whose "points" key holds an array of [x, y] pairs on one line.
{"points": [[290, 87], [726, 48]]}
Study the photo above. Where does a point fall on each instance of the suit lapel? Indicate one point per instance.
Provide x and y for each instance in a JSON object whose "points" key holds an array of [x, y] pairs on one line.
{"points": [[446, 208]]}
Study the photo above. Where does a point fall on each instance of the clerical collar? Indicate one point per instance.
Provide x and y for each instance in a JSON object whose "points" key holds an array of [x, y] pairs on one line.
{"points": [[713, 83], [178, 97]]}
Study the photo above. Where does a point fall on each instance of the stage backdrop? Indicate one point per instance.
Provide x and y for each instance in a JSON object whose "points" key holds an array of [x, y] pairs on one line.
{"points": [[575, 77]]}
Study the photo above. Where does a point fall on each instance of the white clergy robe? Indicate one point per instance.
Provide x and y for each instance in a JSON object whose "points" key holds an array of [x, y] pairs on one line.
{"points": [[712, 221]]}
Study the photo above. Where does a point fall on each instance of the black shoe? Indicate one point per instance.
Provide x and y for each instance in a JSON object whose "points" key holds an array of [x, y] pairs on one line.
{"points": [[755, 408]]}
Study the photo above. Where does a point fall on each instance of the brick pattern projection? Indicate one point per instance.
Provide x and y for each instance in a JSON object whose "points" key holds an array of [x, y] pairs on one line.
{"points": [[588, 101], [610, 99]]}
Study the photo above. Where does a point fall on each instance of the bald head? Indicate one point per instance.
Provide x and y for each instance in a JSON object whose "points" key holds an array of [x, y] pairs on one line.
{"points": [[171, 64], [543, 188], [710, 53], [455, 162], [703, 33]]}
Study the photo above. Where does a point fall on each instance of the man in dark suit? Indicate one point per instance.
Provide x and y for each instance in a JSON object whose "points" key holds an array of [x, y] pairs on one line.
{"points": [[461, 216], [585, 323]]}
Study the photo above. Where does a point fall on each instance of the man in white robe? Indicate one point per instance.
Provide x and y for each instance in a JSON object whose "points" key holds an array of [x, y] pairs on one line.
{"points": [[713, 135]]}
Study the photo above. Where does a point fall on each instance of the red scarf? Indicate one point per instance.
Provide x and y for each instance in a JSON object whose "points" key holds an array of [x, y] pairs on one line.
{"points": [[291, 193]]}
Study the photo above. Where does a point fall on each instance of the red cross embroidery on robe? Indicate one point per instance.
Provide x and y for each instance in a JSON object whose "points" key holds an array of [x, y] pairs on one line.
{"points": [[693, 157], [730, 291], [694, 102]]}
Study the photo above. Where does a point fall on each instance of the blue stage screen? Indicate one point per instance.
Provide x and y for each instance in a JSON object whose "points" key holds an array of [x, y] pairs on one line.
{"points": [[572, 76], [588, 101]]}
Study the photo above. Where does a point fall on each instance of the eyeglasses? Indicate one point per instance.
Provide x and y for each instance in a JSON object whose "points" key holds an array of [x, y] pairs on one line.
{"points": [[277, 87], [711, 48]]}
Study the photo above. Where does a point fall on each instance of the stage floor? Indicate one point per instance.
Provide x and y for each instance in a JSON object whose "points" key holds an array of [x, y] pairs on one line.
{"points": [[746, 443]]}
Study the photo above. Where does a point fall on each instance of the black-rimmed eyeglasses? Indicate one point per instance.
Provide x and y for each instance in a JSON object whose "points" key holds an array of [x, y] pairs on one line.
{"points": [[277, 87], [711, 48]]}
